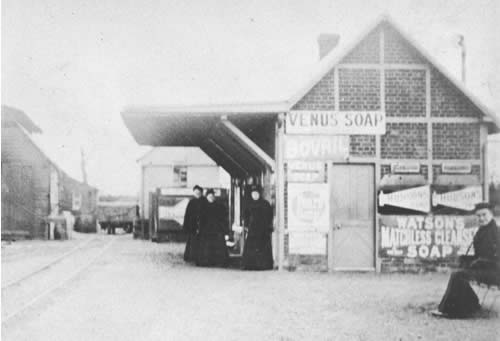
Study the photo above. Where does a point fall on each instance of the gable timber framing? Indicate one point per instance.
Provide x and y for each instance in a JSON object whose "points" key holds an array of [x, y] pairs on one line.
{"points": [[334, 61]]}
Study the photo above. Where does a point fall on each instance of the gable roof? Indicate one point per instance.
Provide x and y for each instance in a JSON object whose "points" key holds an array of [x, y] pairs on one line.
{"points": [[10, 114], [341, 51], [45, 154], [344, 47]]}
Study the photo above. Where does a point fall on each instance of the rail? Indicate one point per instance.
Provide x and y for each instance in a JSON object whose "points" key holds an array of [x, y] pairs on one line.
{"points": [[32, 301]]}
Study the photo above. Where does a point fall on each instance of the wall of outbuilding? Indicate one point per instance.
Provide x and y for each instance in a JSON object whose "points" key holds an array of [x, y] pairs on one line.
{"points": [[25, 185]]}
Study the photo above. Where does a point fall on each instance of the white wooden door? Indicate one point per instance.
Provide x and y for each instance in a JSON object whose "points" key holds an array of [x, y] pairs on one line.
{"points": [[353, 217]]}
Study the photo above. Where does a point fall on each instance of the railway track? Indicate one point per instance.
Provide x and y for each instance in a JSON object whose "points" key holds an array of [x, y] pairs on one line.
{"points": [[25, 292], [48, 265]]}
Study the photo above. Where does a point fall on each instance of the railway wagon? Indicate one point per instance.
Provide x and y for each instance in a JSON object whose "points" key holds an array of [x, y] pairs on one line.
{"points": [[116, 214]]}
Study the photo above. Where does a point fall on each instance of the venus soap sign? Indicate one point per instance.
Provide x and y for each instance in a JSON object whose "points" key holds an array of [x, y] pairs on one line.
{"points": [[335, 122]]}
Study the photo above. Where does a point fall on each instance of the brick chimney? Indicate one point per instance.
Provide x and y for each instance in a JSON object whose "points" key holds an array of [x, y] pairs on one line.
{"points": [[326, 43]]}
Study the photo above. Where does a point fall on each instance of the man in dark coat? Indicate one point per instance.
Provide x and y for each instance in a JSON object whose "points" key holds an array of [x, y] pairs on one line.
{"points": [[193, 220], [212, 250], [258, 218], [459, 300]]}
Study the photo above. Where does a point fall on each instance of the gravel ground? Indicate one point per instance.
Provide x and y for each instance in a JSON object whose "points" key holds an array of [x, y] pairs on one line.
{"points": [[22, 257], [140, 290]]}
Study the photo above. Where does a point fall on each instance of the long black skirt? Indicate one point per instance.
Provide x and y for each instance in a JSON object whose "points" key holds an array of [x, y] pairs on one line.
{"points": [[459, 300], [212, 251], [258, 254], [191, 251]]}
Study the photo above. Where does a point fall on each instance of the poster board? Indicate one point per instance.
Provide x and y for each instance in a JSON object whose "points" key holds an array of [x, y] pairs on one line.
{"points": [[308, 207], [426, 236]]}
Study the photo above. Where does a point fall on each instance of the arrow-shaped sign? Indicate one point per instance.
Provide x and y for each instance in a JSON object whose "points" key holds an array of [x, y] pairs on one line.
{"points": [[417, 199], [464, 199]]}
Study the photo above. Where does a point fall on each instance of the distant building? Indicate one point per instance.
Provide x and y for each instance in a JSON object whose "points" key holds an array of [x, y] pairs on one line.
{"points": [[33, 185], [178, 167]]}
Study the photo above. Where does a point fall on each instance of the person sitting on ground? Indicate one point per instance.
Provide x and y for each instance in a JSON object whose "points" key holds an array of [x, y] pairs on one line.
{"points": [[459, 300], [212, 250], [193, 220]]}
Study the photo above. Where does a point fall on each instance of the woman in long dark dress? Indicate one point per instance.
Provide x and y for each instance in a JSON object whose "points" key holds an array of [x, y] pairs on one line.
{"points": [[212, 250], [193, 220], [258, 218], [459, 299]]}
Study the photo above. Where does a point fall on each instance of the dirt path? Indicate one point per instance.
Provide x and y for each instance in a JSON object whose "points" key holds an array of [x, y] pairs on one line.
{"points": [[143, 291]]}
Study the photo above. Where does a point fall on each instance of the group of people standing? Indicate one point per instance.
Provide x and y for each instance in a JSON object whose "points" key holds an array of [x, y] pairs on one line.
{"points": [[206, 224]]}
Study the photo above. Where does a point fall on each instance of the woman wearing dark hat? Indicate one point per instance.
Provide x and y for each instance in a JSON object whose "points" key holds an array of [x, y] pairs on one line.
{"points": [[212, 249], [459, 300], [258, 218], [193, 220]]}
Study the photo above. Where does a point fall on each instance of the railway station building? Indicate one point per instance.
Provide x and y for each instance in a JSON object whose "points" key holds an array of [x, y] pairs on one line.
{"points": [[374, 164]]}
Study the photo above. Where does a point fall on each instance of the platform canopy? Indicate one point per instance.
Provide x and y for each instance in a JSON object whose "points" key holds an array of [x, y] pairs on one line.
{"points": [[240, 142]]}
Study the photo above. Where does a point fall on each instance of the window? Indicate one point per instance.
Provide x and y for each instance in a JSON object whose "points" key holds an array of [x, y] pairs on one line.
{"points": [[180, 176]]}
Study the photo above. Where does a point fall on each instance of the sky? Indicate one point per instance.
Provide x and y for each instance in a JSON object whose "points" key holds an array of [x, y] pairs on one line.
{"points": [[74, 65]]}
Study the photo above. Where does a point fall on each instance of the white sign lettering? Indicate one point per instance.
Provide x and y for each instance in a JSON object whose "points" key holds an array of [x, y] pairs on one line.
{"points": [[405, 167], [335, 122], [463, 168], [464, 199], [417, 199], [306, 171], [308, 207], [429, 237], [316, 147]]}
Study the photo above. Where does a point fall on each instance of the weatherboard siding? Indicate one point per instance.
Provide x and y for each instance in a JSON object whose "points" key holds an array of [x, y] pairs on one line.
{"points": [[25, 186]]}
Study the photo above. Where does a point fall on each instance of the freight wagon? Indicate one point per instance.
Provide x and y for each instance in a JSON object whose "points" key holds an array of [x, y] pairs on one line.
{"points": [[117, 214]]}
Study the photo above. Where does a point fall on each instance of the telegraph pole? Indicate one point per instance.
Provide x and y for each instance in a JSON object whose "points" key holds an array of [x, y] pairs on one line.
{"points": [[83, 165]]}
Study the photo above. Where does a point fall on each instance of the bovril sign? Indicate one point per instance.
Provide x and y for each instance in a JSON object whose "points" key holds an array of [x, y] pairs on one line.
{"points": [[335, 122]]}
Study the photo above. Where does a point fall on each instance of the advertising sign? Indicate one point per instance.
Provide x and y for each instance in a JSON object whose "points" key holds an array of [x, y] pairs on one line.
{"points": [[335, 122], [413, 167], [426, 237], [306, 171], [175, 211], [417, 199], [464, 199], [308, 207], [453, 167], [76, 201], [316, 147], [307, 243]]}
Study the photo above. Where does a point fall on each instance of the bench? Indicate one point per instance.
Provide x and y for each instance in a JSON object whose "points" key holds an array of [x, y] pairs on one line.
{"points": [[489, 286]]}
